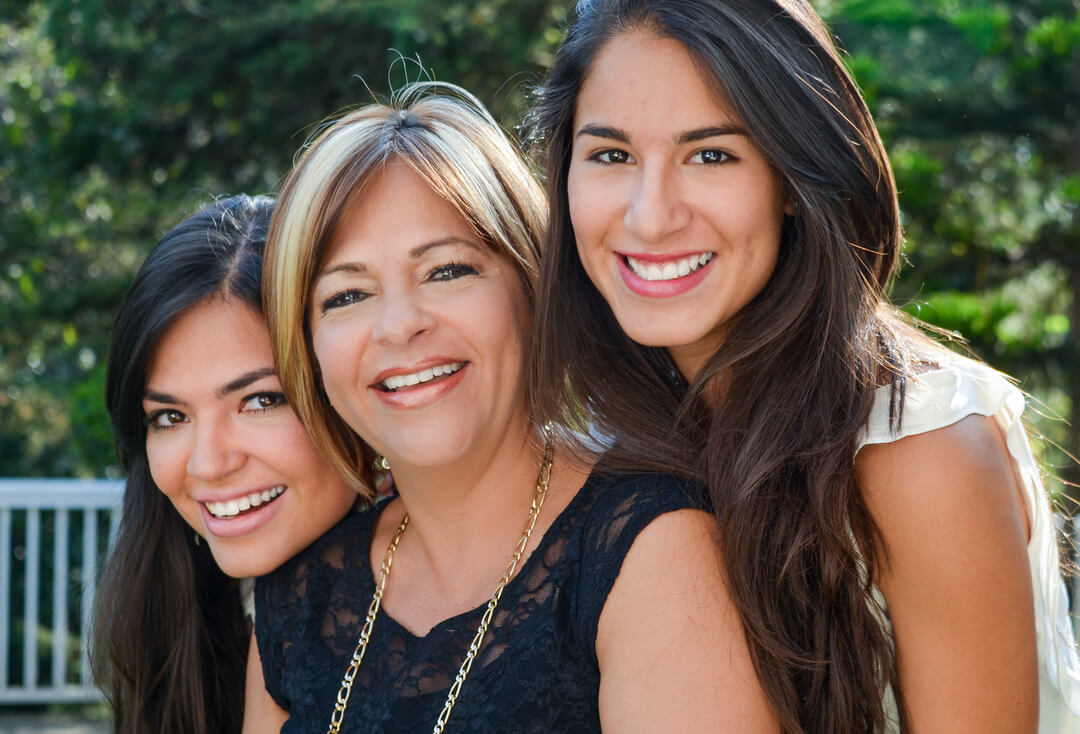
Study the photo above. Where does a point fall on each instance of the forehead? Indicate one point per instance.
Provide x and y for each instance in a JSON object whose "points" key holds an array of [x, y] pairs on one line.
{"points": [[642, 77], [211, 342], [396, 211]]}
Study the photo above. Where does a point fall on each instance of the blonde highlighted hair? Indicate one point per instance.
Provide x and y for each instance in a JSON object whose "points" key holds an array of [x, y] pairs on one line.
{"points": [[454, 144]]}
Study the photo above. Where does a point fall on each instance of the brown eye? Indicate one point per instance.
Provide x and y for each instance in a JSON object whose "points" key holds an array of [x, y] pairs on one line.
{"points": [[710, 157], [610, 157], [164, 419], [344, 298], [451, 271], [263, 401]]}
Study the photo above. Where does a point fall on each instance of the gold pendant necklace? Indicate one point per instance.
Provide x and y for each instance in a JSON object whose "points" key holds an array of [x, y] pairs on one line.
{"points": [[338, 714]]}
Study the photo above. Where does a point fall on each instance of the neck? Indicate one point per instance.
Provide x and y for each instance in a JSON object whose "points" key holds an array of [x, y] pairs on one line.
{"points": [[469, 515]]}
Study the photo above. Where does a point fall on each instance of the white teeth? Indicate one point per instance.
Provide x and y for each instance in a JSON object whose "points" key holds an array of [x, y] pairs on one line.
{"points": [[231, 508], [425, 375], [670, 270]]}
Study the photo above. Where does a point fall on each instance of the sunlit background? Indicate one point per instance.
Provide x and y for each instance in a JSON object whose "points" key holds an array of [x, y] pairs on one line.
{"points": [[117, 117]]}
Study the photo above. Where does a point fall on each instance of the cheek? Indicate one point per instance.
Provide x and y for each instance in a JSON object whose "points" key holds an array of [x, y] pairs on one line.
{"points": [[586, 208], [288, 446], [167, 465], [333, 349], [749, 220], [507, 337]]}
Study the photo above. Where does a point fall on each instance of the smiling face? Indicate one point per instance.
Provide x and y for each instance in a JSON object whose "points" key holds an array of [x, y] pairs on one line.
{"points": [[418, 328], [227, 450], [676, 213]]}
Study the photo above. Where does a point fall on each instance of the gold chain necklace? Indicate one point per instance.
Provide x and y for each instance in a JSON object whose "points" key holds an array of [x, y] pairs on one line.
{"points": [[338, 715]]}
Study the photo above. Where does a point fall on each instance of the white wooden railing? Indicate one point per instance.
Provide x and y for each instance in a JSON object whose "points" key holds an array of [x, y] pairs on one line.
{"points": [[31, 505]]}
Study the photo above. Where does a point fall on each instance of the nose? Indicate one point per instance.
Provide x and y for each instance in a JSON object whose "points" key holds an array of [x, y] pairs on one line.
{"points": [[402, 317], [214, 452], [656, 207]]}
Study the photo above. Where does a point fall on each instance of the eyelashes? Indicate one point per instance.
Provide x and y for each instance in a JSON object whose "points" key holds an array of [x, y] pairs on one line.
{"points": [[344, 298], [451, 271], [611, 157], [710, 157], [704, 157], [263, 402], [167, 419], [439, 274], [164, 420]]}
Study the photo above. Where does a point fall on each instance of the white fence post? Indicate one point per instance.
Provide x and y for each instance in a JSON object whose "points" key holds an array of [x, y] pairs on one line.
{"points": [[35, 500], [5, 592]]}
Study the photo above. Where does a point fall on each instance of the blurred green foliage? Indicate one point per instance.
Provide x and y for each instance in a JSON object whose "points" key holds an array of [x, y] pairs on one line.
{"points": [[119, 116], [979, 105]]}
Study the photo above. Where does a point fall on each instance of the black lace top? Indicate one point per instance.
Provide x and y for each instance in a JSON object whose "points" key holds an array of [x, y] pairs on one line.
{"points": [[537, 669]]}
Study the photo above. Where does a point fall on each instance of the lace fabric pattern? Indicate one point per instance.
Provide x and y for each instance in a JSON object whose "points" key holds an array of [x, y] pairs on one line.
{"points": [[537, 669]]}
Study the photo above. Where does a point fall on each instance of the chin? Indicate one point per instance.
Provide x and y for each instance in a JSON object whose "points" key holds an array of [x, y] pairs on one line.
{"points": [[432, 445], [654, 337], [240, 567]]}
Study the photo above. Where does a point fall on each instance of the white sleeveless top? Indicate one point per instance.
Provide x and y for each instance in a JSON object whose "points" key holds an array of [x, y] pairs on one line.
{"points": [[944, 396]]}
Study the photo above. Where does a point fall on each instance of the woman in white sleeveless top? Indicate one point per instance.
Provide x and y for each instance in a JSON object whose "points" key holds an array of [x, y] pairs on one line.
{"points": [[948, 393], [724, 224]]}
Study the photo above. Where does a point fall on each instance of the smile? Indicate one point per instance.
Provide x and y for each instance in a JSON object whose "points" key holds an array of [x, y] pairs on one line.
{"points": [[398, 382], [671, 270], [232, 508]]}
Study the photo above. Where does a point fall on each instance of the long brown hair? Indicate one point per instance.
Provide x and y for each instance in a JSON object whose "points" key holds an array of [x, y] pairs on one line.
{"points": [[797, 371], [170, 640]]}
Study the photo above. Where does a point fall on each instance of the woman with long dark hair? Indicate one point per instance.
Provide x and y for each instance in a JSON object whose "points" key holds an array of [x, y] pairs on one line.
{"points": [[223, 482], [724, 225]]}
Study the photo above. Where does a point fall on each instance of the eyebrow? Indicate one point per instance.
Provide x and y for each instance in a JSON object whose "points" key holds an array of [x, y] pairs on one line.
{"points": [[705, 133], [603, 131], [415, 254], [691, 136], [238, 384], [246, 379], [161, 397], [418, 252]]}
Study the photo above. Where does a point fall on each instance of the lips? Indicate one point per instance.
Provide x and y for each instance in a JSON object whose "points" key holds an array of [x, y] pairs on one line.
{"points": [[654, 276], [220, 520], [419, 386], [231, 508], [672, 269], [396, 382]]}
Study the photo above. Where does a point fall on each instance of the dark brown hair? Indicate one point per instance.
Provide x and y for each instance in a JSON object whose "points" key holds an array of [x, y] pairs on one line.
{"points": [[170, 640], [797, 372]]}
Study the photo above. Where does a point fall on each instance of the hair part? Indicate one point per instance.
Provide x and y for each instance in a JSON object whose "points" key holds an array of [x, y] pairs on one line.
{"points": [[796, 373], [452, 142], [170, 642]]}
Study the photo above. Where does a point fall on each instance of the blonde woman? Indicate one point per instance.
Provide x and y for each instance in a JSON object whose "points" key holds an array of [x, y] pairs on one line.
{"points": [[505, 588]]}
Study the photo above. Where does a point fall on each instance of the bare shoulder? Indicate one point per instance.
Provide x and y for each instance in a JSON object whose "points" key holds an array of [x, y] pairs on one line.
{"points": [[943, 480], [955, 576], [671, 647]]}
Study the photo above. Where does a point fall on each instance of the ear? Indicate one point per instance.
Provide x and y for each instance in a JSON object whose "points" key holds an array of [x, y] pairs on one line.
{"points": [[790, 205]]}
